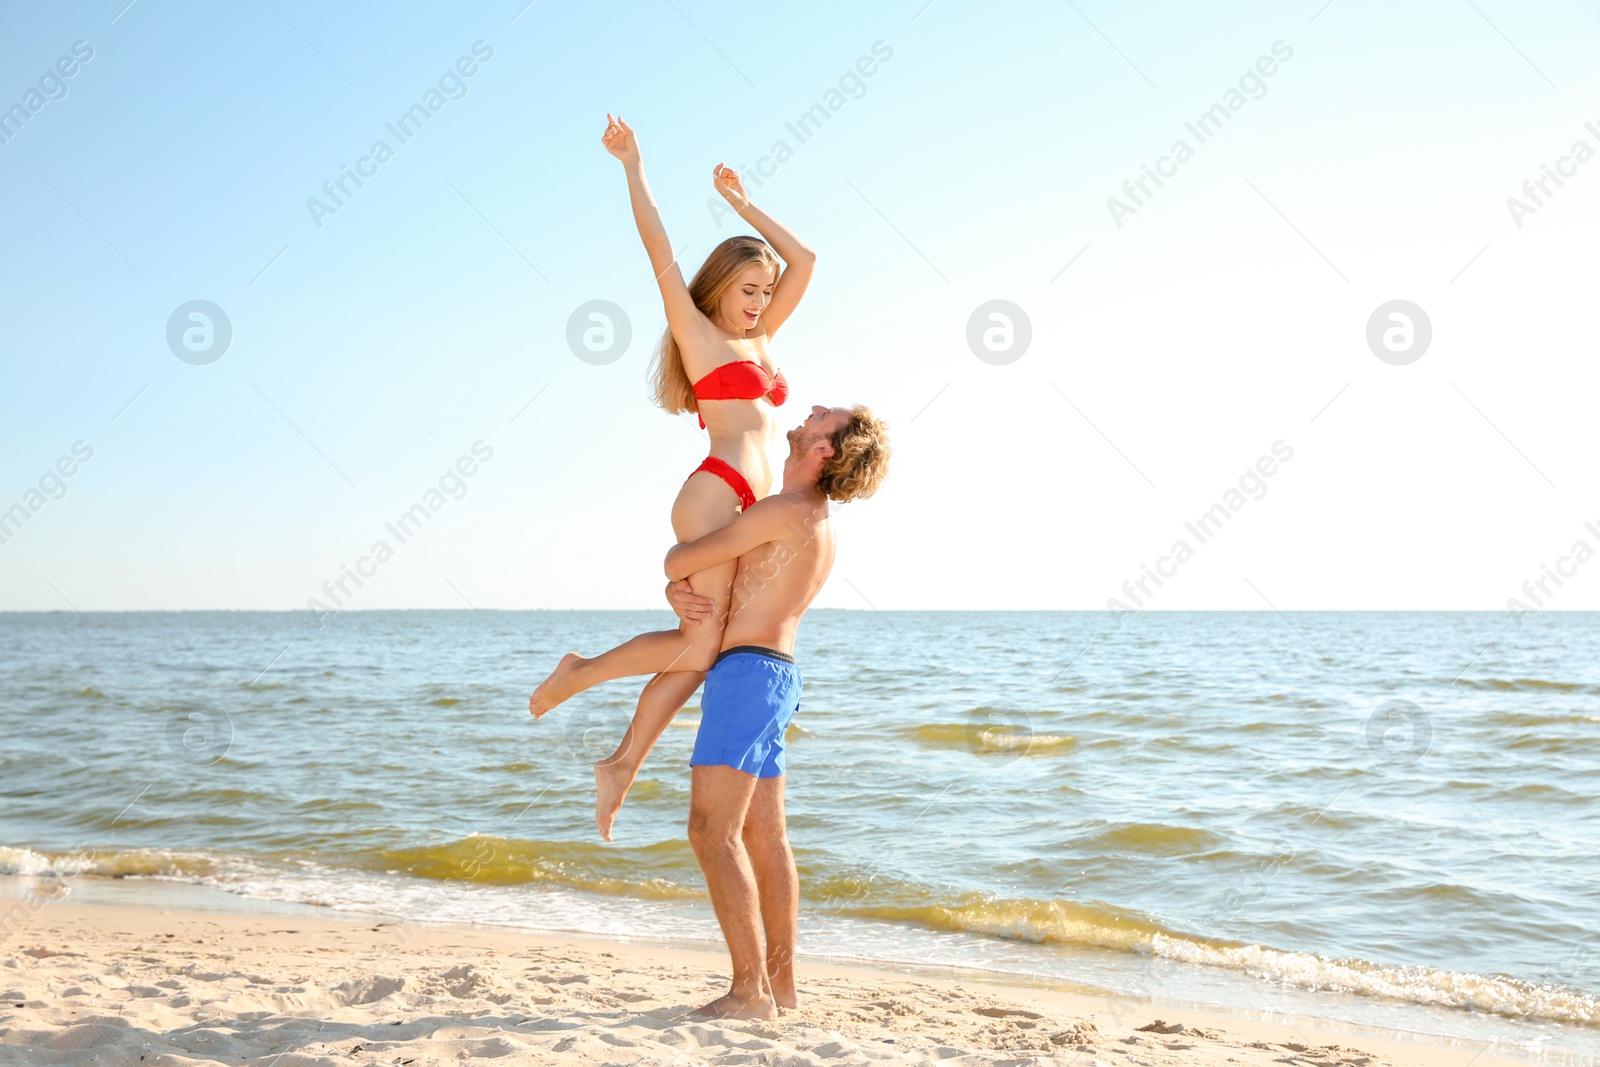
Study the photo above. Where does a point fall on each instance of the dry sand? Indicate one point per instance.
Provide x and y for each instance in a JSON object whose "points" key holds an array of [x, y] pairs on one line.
{"points": [[122, 987]]}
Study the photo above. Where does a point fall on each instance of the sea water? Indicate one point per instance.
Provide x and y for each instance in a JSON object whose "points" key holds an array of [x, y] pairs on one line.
{"points": [[1383, 818]]}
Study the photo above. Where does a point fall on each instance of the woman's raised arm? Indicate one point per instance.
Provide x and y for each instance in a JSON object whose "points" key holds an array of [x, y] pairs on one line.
{"points": [[683, 318], [798, 260]]}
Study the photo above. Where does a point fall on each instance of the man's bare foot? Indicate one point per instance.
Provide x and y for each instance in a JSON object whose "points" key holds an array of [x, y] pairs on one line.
{"points": [[561, 684], [611, 781], [732, 1007], [785, 996]]}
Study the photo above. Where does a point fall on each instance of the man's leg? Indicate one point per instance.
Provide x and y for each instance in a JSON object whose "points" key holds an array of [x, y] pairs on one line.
{"points": [[613, 776], [719, 800], [766, 838]]}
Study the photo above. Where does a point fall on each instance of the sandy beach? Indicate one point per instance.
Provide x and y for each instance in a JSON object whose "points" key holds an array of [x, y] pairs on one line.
{"points": [[108, 985]]}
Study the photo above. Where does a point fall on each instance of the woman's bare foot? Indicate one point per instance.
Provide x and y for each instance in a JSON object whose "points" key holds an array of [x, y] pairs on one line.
{"points": [[611, 781], [732, 1007], [561, 684]]}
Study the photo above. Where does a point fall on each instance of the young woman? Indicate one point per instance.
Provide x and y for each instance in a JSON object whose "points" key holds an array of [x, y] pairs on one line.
{"points": [[713, 360]]}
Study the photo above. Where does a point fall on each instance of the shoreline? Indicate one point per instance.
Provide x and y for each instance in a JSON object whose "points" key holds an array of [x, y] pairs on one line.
{"points": [[176, 984]]}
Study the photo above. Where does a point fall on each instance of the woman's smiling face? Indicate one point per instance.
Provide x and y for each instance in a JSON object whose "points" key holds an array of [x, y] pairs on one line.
{"points": [[743, 302]]}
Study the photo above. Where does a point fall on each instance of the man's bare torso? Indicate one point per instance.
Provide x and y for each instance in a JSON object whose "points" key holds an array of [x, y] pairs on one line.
{"points": [[777, 582]]}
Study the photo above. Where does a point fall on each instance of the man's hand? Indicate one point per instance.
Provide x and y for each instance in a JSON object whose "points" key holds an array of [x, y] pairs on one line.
{"points": [[688, 605]]}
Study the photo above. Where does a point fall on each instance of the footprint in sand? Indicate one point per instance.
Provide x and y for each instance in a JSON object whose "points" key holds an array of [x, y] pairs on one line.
{"points": [[1001, 1013]]}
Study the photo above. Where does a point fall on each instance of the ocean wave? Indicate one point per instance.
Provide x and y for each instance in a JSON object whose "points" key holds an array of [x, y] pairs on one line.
{"points": [[1528, 684], [26, 863], [1290, 812], [1498, 994], [1522, 720], [1280, 700], [1542, 791], [1156, 838], [1100, 926], [1042, 922], [610, 870], [1554, 745], [124, 863], [989, 737]]}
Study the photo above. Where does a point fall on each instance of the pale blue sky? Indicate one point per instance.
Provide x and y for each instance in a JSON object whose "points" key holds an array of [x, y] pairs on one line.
{"points": [[975, 164]]}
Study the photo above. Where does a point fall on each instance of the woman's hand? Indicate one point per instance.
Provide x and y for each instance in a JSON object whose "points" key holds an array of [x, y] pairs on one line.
{"points": [[619, 139], [687, 604], [729, 184]]}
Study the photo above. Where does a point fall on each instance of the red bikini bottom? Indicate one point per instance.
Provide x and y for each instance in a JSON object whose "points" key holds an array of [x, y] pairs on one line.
{"points": [[727, 473]]}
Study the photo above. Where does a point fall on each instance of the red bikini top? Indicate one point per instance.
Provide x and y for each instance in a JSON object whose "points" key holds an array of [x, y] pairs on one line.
{"points": [[743, 379]]}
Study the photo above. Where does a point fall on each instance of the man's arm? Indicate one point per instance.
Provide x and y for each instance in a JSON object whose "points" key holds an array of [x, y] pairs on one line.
{"points": [[761, 522]]}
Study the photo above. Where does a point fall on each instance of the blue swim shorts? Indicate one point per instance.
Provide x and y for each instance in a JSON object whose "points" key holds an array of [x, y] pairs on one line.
{"points": [[750, 698]]}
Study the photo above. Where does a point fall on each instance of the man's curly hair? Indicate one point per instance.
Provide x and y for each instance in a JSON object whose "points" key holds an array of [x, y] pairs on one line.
{"points": [[860, 457]]}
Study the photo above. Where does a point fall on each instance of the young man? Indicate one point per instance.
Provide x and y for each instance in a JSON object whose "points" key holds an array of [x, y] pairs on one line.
{"points": [[785, 548]]}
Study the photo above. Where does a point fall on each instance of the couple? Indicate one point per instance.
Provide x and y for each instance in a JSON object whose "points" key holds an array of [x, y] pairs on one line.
{"points": [[743, 572]]}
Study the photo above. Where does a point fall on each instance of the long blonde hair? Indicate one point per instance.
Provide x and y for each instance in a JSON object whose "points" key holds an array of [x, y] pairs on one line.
{"points": [[669, 381]]}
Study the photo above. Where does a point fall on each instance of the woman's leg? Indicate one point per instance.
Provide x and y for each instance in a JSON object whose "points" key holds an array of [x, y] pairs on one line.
{"points": [[660, 702], [663, 696], [655, 652], [704, 504]]}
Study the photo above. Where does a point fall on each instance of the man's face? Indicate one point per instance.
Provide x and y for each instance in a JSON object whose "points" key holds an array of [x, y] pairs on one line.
{"points": [[820, 425]]}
